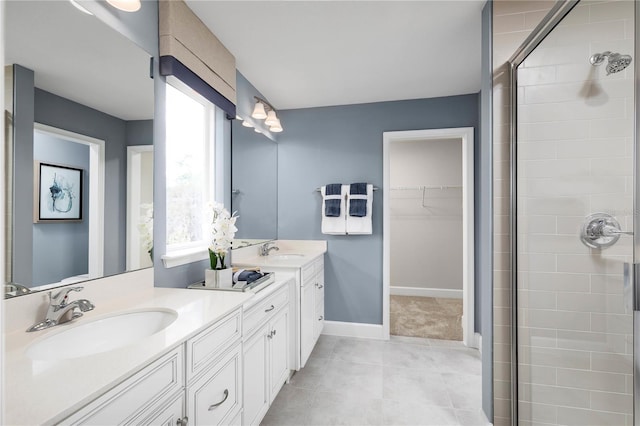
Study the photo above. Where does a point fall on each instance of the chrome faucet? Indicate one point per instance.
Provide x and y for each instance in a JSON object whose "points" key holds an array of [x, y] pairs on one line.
{"points": [[59, 306], [266, 248], [15, 289]]}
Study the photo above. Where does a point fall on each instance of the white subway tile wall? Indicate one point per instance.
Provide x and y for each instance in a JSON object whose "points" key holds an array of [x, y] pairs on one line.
{"points": [[575, 128]]}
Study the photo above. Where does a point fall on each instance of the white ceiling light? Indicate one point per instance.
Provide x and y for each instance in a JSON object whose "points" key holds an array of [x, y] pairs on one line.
{"points": [[80, 7], [258, 111], [126, 5]]}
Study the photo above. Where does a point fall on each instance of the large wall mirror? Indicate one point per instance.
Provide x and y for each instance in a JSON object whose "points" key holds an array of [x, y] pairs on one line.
{"points": [[254, 182], [79, 139]]}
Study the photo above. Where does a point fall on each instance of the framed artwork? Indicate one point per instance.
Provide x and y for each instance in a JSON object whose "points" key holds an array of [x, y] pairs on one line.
{"points": [[58, 193]]}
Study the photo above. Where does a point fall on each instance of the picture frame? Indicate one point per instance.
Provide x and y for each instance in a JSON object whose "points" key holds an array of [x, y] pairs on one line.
{"points": [[57, 193]]}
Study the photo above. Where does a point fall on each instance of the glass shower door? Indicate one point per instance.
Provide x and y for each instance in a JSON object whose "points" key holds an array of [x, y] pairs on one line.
{"points": [[575, 205]]}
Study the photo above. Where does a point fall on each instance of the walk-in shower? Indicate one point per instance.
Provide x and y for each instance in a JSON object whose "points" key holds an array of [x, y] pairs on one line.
{"points": [[573, 217], [615, 61]]}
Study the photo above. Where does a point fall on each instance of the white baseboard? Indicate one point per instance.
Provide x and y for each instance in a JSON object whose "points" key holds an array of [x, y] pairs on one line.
{"points": [[353, 329], [426, 292]]}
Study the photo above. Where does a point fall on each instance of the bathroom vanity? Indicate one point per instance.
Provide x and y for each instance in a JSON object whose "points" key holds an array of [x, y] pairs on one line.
{"points": [[222, 359], [304, 262]]}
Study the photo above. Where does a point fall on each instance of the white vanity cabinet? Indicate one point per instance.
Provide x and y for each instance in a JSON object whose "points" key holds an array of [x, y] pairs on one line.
{"points": [[198, 382], [266, 353], [311, 307]]}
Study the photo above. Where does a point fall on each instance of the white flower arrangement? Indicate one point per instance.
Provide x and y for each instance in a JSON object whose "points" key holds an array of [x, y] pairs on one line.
{"points": [[223, 229]]}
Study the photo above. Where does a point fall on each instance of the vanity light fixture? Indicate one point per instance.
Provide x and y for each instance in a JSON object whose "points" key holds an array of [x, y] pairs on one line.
{"points": [[265, 111], [80, 7], [245, 123], [126, 5]]}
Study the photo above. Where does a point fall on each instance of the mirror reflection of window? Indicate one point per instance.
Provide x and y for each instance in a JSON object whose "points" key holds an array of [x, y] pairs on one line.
{"points": [[189, 168]]}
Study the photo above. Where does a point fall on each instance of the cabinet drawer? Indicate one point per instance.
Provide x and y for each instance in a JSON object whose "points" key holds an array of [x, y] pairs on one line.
{"points": [[262, 311], [126, 401], [216, 397], [202, 349]]}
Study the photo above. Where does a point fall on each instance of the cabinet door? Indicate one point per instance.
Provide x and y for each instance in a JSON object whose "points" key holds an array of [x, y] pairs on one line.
{"points": [[256, 387], [319, 308], [279, 351], [307, 321]]}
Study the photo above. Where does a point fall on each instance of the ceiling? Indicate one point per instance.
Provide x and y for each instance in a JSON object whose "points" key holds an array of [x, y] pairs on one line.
{"points": [[76, 56], [318, 53]]}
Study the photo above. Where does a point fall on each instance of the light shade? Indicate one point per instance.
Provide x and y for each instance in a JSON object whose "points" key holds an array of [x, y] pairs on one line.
{"points": [[126, 5], [245, 123], [276, 127], [258, 111], [271, 118]]}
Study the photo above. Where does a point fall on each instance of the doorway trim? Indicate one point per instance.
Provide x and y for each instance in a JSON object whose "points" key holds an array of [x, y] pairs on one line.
{"points": [[134, 182], [466, 134], [96, 192]]}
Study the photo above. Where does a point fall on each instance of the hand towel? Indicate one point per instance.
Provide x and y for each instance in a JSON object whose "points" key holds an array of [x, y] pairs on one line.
{"points": [[358, 199], [361, 225], [332, 199], [334, 225]]}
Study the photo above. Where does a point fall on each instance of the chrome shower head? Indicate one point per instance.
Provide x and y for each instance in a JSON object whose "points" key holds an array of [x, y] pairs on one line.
{"points": [[616, 62]]}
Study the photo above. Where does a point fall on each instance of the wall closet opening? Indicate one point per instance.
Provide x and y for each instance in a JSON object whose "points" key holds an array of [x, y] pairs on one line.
{"points": [[428, 234]]}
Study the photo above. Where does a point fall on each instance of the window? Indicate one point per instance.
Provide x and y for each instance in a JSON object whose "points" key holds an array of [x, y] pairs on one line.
{"points": [[190, 141]]}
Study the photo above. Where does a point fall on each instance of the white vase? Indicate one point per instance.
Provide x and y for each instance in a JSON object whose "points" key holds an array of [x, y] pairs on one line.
{"points": [[218, 278]]}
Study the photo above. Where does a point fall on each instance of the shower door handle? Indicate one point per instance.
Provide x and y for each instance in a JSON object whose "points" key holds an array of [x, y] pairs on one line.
{"points": [[631, 273]]}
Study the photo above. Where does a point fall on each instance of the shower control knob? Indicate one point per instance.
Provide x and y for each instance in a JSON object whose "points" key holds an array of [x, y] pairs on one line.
{"points": [[601, 230]]}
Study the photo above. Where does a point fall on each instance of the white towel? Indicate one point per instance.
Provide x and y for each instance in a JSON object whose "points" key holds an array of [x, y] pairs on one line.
{"points": [[360, 225], [335, 225]]}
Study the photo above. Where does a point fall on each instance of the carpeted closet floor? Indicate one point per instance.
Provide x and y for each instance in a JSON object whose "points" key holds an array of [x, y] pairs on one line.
{"points": [[430, 317]]}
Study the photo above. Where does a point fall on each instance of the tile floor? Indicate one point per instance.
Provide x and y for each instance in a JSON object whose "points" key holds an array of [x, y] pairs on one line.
{"points": [[404, 381]]}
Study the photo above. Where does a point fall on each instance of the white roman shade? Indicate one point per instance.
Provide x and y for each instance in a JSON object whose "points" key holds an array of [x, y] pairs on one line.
{"points": [[189, 49]]}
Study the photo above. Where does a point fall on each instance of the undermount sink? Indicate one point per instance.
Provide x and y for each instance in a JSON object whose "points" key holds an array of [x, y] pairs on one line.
{"points": [[102, 335], [287, 256]]}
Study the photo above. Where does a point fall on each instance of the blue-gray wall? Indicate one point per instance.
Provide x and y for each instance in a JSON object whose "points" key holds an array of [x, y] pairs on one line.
{"points": [[344, 144], [484, 213], [139, 132], [61, 250], [254, 174]]}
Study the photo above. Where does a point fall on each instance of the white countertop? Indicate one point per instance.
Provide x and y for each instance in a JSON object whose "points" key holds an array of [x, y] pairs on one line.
{"points": [[41, 392], [274, 259]]}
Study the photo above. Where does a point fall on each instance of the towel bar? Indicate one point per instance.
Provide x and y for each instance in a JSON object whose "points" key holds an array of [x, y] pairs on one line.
{"points": [[375, 188]]}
